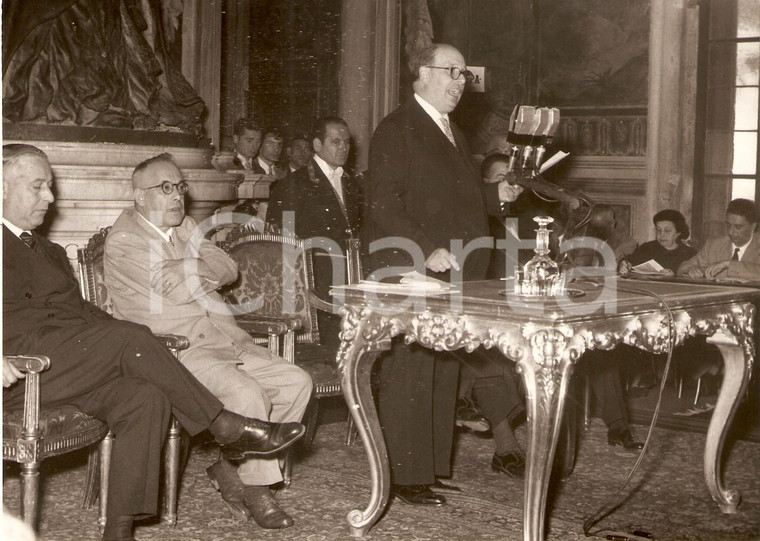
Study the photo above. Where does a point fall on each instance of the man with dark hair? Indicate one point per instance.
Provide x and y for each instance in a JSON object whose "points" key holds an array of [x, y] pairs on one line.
{"points": [[325, 201], [267, 161], [110, 369], [162, 272], [299, 151], [247, 136], [735, 256], [419, 166]]}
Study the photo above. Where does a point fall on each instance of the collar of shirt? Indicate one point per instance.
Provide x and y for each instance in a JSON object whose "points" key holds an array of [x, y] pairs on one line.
{"points": [[245, 161], [742, 249], [13, 228], [265, 166], [166, 236], [326, 169], [432, 112]]}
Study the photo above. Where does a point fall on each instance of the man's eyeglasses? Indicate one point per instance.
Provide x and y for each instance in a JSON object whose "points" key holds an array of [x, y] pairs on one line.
{"points": [[168, 187], [456, 72]]}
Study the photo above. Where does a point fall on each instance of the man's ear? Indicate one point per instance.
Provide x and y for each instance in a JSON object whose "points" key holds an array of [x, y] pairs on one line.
{"points": [[316, 144], [235, 139], [139, 196], [424, 74]]}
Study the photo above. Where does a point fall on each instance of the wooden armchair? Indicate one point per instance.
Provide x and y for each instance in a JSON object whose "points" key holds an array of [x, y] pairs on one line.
{"points": [[274, 300], [93, 288], [30, 435]]}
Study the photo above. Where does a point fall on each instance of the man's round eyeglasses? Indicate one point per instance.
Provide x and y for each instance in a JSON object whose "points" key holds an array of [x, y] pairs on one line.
{"points": [[456, 72], [168, 187]]}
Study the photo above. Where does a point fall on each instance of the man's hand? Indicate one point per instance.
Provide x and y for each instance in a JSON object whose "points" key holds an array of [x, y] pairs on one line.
{"points": [[625, 267], [10, 373], [715, 269], [169, 277], [441, 260], [696, 272], [509, 192]]}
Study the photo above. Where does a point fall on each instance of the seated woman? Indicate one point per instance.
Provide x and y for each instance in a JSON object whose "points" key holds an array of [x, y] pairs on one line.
{"points": [[669, 248]]}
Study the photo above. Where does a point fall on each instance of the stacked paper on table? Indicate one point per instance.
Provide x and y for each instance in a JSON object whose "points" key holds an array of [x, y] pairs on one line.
{"points": [[648, 267], [411, 283]]}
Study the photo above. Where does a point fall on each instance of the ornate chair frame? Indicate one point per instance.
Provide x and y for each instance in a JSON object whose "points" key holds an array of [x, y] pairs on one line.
{"points": [[92, 285]]}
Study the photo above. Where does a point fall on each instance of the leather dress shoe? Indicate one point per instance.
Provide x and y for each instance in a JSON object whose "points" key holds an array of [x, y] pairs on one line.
{"points": [[624, 438], [264, 508], [262, 438], [225, 479], [417, 495], [511, 464], [470, 416]]}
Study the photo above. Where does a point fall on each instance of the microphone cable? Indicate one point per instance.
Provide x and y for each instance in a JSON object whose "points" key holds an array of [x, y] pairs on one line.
{"points": [[614, 501]]}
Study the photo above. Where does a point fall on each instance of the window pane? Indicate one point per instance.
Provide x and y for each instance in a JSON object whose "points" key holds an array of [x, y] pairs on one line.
{"points": [[745, 153], [746, 109], [749, 19], [744, 188], [748, 63]]}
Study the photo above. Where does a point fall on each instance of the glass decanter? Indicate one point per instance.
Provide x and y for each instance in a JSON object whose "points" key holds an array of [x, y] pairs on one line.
{"points": [[541, 274]]}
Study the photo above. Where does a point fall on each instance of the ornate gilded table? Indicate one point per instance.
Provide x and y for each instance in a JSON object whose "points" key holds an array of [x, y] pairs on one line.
{"points": [[545, 339]]}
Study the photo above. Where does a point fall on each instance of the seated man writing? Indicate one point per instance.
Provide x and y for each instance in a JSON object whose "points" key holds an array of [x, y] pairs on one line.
{"points": [[161, 271], [113, 370], [734, 256]]}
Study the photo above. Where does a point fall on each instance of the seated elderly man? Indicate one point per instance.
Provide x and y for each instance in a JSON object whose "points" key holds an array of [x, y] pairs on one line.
{"points": [[113, 370], [160, 271], [734, 256]]}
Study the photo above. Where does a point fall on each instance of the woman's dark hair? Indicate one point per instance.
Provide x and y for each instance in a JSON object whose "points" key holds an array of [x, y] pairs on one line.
{"points": [[672, 215]]}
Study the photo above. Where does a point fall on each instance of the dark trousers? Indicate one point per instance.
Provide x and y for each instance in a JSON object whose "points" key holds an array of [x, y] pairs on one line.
{"points": [[118, 372], [493, 384], [604, 370], [416, 403]]}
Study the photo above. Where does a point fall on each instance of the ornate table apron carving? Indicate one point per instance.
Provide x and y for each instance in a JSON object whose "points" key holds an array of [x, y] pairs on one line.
{"points": [[545, 339]]}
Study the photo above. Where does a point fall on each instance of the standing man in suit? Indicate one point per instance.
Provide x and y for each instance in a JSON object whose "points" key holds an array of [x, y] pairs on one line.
{"points": [[326, 202], [161, 271], [113, 370], [247, 136], [425, 187], [733, 256]]}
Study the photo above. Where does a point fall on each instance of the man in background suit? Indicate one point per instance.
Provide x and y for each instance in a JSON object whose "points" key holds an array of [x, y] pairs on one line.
{"points": [[325, 201], [113, 370], [247, 136], [424, 186], [270, 152], [161, 271], [735, 256], [299, 151]]}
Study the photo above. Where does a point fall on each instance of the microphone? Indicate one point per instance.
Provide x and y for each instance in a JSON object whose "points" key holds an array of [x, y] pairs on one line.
{"points": [[538, 184]]}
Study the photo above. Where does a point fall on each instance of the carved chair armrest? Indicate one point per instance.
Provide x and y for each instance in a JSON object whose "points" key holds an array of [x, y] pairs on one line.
{"points": [[32, 365], [174, 342], [267, 325], [319, 304]]}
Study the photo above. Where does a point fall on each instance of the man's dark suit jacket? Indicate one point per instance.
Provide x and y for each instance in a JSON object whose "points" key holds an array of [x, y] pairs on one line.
{"points": [[423, 188], [426, 190]]}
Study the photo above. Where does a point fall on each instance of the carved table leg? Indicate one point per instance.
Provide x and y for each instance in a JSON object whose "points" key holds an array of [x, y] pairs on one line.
{"points": [[356, 357], [546, 373], [737, 361]]}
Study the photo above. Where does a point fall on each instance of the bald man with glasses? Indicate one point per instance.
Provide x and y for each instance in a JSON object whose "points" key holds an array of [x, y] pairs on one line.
{"points": [[160, 271]]}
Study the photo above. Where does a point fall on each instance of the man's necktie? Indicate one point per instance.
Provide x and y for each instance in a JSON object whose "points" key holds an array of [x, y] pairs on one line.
{"points": [[29, 240], [735, 257], [249, 164], [447, 130], [171, 240]]}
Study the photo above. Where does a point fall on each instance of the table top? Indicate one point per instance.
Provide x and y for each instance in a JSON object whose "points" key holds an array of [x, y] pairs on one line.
{"points": [[592, 299]]}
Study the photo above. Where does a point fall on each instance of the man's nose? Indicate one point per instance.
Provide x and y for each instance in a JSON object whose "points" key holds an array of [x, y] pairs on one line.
{"points": [[47, 194]]}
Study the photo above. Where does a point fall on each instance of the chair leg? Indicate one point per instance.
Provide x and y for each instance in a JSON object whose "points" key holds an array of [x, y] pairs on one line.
{"points": [[351, 431], [699, 389], [171, 481], [104, 450], [586, 401], [30, 490], [287, 468], [92, 479]]}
